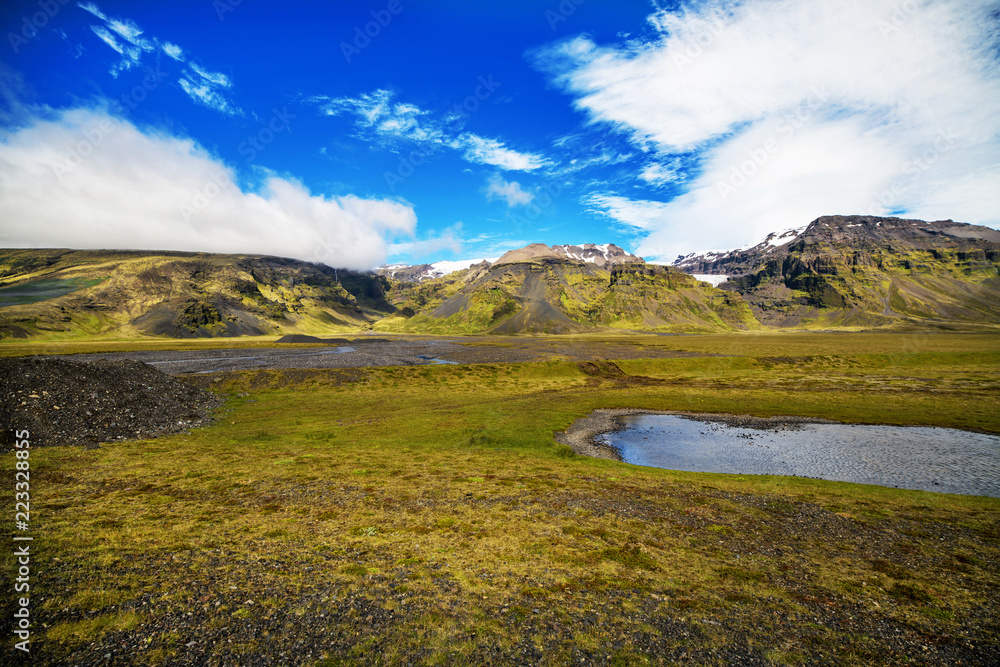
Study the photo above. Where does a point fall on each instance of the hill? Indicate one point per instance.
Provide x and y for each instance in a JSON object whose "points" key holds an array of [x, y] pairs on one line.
{"points": [[838, 271], [538, 290], [865, 271], [68, 293]]}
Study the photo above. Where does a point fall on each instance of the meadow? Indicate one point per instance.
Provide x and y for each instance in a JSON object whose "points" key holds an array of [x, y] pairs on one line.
{"points": [[426, 515]]}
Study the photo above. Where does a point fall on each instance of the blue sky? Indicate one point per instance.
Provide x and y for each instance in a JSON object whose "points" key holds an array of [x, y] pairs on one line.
{"points": [[357, 133]]}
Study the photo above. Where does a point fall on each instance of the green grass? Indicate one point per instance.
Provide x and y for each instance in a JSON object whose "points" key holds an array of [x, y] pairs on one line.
{"points": [[426, 514]]}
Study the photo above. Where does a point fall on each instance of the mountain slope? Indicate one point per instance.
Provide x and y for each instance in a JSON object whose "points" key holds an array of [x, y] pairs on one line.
{"points": [[534, 290], [604, 255], [866, 271], [65, 293]]}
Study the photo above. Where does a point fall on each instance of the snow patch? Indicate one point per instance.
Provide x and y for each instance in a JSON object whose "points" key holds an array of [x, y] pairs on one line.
{"points": [[445, 267], [714, 281]]}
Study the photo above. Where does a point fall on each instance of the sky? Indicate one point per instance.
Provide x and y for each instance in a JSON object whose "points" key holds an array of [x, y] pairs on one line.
{"points": [[359, 133]]}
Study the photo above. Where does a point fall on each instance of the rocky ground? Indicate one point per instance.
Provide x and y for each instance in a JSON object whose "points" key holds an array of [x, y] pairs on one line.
{"points": [[62, 402], [380, 351]]}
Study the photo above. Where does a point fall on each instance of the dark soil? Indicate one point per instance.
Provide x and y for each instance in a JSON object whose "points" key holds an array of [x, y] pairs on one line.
{"points": [[64, 402]]}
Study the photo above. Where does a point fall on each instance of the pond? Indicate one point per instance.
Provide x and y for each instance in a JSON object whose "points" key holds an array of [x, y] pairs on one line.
{"points": [[906, 457]]}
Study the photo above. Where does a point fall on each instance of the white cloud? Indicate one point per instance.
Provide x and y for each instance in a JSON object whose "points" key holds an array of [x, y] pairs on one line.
{"points": [[493, 152], [660, 174], [847, 99], [214, 78], [202, 85], [131, 34], [207, 94], [418, 250], [509, 191], [385, 121], [85, 179], [92, 8], [642, 215], [174, 51], [377, 114], [207, 88], [108, 38]]}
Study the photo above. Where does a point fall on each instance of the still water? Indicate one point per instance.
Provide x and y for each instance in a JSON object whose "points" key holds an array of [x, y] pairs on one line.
{"points": [[907, 457]]}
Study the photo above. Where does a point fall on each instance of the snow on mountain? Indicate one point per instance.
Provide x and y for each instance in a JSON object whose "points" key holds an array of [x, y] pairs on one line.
{"points": [[714, 281], [445, 267], [693, 261], [421, 272], [604, 255]]}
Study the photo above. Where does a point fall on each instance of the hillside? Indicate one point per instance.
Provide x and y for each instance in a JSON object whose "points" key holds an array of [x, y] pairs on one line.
{"points": [[67, 293], [865, 271], [838, 271], [536, 290]]}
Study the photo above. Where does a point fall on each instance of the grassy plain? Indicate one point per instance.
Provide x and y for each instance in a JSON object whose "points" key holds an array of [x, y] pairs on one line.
{"points": [[426, 515]]}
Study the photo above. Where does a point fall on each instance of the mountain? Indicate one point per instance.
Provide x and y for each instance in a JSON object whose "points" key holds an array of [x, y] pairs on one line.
{"points": [[66, 293], [737, 261], [865, 271], [538, 289], [417, 273], [604, 255], [838, 271]]}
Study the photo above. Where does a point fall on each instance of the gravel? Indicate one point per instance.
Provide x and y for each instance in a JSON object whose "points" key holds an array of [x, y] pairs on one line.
{"points": [[63, 402]]}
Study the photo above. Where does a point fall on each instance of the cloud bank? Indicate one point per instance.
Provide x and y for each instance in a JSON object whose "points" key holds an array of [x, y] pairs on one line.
{"points": [[786, 110], [85, 179]]}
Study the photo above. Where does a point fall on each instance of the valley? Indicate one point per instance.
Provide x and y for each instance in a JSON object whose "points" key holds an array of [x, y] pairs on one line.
{"points": [[389, 480], [427, 513]]}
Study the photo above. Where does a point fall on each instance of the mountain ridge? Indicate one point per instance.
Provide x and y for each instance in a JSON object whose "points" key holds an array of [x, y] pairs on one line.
{"points": [[836, 272], [865, 271]]}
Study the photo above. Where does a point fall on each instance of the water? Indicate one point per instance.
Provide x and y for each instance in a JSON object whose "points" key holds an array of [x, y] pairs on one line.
{"points": [[434, 360], [907, 457]]}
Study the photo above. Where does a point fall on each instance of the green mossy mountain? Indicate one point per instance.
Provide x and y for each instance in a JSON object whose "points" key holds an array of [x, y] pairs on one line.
{"points": [[73, 293], [867, 271], [545, 294], [839, 272]]}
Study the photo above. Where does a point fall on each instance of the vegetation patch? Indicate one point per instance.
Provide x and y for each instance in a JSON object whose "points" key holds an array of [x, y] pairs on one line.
{"points": [[389, 535]]}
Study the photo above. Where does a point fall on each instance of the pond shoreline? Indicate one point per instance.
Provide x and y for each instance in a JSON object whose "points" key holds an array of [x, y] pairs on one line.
{"points": [[582, 434]]}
